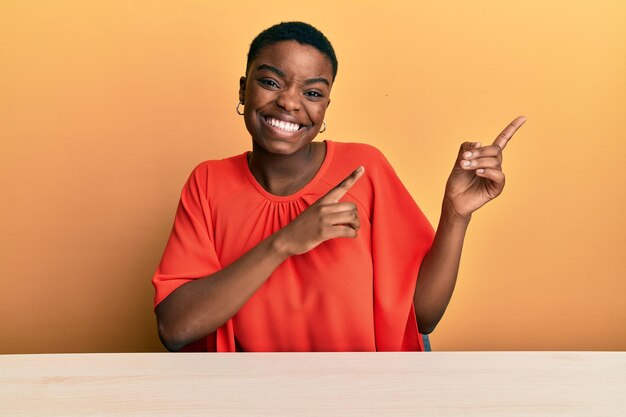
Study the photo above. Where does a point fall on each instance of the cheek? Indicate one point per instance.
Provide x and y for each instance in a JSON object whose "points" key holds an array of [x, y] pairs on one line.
{"points": [[317, 113], [256, 96], [251, 121]]}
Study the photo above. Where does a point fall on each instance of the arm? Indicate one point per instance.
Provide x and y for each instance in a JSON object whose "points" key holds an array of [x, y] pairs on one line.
{"points": [[199, 307], [476, 178], [439, 269]]}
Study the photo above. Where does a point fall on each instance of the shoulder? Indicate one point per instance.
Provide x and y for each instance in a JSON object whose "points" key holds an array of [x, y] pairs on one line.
{"points": [[217, 176], [220, 167], [358, 152], [379, 174], [351, 155]]}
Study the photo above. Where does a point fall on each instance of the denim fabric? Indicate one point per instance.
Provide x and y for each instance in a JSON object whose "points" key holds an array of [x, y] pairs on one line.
{"points": [[426, 341]]}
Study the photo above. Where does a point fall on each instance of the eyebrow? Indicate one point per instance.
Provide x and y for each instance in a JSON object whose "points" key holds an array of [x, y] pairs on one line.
{"points": [[281, 74], [317, 80]]}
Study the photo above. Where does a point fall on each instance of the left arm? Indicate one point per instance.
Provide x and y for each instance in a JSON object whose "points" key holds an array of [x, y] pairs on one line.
{"points": [[476, 179]]}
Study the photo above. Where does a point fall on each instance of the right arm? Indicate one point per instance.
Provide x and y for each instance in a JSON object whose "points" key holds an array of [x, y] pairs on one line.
{"points": [[199, 307]]}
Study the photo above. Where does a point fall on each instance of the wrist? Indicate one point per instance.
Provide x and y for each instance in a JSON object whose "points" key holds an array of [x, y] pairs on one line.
{"points": [[450, 215], [278, 246]]}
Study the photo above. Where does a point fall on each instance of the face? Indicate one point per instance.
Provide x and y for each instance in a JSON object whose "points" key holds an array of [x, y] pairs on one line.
{"points": [[286, 93]]}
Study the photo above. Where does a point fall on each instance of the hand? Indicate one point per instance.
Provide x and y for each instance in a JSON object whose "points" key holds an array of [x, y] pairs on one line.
{"points": [[477, 175], [325, 219]]}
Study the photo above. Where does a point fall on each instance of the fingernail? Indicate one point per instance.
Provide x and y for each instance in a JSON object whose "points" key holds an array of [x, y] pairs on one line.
{"points": [[477, 145], [467, 155], [359, 169], [465, 163], [480, 170]]}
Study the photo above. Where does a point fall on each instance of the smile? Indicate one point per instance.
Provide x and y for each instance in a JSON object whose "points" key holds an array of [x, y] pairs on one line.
{"points": [[282, 125]]}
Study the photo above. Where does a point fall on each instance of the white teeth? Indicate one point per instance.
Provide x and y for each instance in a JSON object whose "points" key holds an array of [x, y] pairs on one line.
{"points": [[289, 127]]}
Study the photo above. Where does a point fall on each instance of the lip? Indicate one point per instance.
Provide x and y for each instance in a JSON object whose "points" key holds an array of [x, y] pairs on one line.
{"points": [[282, 132], [283, 118]]}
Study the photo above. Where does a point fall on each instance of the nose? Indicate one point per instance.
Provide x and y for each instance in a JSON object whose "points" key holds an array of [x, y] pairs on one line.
{"points": [[289, 100]]}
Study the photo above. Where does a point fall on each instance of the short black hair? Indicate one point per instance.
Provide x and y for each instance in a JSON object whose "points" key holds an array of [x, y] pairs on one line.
{"points": [[300, 32]]}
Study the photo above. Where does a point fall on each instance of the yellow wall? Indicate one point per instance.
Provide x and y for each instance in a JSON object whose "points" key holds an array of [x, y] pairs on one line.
{"points": [[106, 106]]}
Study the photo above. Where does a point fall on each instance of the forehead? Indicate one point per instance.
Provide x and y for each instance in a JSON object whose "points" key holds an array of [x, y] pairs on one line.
{"points": [[295, 59]]}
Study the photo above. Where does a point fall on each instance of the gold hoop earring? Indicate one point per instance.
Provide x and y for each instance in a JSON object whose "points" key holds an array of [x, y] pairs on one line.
{"points": [[324, 126], [239, 112]]}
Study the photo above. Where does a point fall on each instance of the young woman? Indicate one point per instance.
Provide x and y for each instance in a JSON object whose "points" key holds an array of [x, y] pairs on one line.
{"points": [[310, 246]]}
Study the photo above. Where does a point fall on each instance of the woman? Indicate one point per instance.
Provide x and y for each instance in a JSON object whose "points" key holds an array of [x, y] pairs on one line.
{"points": [[310, 246]]}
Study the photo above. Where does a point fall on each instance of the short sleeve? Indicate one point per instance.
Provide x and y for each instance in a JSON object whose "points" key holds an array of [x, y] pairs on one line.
{"points": [[401, 237], [190, 252]]}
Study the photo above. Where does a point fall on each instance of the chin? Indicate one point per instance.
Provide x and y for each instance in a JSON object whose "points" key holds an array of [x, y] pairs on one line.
{"points": [[281, 147]]}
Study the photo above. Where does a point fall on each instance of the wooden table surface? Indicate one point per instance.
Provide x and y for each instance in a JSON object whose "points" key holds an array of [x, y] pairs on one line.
{"points": [[315, 384]]}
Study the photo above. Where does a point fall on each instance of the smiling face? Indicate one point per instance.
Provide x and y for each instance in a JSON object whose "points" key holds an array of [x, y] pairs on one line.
{"points": [[286, 94]]}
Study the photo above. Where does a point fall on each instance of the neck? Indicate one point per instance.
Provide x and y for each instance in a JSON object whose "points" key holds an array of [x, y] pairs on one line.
{"points": [[286, 174]]}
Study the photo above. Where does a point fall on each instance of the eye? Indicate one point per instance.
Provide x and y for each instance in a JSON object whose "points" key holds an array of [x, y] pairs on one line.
{"points": [[313, 94], [269, 83]]}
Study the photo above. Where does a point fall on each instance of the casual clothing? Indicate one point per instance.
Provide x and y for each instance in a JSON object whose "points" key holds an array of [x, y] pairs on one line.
{"points": [[344, 295]]}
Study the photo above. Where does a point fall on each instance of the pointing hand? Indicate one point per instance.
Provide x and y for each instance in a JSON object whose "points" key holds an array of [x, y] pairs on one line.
{"points": [[325, 219], [477, 175]]}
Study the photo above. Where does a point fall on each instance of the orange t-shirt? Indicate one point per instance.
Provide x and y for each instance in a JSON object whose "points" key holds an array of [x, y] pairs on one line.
{"points": [[344, 295]]}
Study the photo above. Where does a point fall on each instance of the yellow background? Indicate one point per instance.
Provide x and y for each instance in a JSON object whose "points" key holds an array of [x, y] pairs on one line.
{"points": [[106, 106]]}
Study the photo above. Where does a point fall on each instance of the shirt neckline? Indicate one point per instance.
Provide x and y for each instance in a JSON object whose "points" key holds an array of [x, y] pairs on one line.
{"points": [[282, 198]]}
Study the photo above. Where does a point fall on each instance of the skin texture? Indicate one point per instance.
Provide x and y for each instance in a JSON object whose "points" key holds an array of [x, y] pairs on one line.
{"points": [[291, 82]]}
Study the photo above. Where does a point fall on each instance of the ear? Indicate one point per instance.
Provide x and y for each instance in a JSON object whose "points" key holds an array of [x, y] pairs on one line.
{"points": [[242, 89]]}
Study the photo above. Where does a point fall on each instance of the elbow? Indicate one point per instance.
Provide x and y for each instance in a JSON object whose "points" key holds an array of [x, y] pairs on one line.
{"points": [[426, 329], [172, 332], [176, 332], [427, 326], [172, 341]]}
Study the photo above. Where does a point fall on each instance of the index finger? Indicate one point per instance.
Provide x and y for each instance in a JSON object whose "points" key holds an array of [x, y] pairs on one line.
{"points": [[334, 195], [508, 132]]}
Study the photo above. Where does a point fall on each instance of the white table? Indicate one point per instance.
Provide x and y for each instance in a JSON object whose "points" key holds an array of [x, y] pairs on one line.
{"points": [[315, 384]]}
